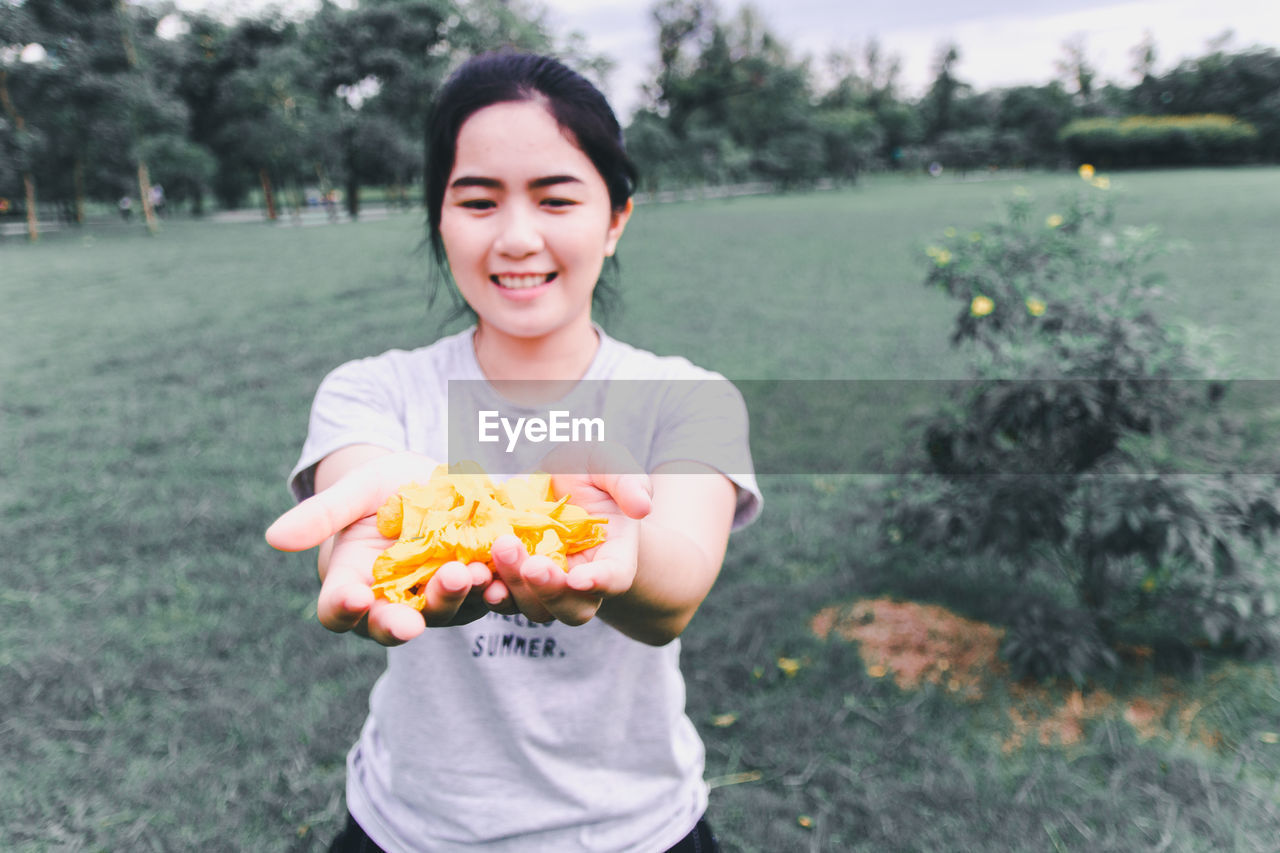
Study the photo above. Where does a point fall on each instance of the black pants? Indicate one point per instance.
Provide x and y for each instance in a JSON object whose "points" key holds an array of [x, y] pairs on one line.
{"points": [[353, 840]]}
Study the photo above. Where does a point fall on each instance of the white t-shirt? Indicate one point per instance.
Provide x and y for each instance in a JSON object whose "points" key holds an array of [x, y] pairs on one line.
{"points": [[507, 735]]}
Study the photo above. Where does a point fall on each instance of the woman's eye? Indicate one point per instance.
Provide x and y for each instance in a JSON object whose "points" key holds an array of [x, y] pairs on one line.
{"points": [[558, 202], [478, 204]]}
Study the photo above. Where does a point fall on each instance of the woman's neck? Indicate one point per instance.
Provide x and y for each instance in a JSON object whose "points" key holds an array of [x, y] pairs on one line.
{"points": [[565, 355]]}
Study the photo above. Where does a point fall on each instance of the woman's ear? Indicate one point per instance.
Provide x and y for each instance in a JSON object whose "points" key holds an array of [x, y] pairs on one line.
{"points": [[617, 223]]}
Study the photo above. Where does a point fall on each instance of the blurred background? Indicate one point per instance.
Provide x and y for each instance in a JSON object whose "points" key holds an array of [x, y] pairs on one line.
{"points": [[1069, 215]]}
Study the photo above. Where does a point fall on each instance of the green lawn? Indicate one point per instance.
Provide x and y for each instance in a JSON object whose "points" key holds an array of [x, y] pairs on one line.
{"points": [[166, 686]]}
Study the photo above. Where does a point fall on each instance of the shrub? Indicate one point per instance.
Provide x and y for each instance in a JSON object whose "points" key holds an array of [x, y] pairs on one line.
{"points": [[1160, 141], [1087, 445]]}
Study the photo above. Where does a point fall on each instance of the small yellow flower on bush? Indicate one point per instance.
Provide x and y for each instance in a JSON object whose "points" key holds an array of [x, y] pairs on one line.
{"points": [[1035, 307], [940, 256], [981, 306], [459, 515], [789, 666], [877, 670], [1102, 182], [1086, 171], [949, 231], [1054, 220]]}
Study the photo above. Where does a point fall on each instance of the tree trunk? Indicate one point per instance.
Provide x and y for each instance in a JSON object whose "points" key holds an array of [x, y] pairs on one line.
{"points": [[77, 174], [144, 190], [267, 196], [33, 223], [28, 182]]}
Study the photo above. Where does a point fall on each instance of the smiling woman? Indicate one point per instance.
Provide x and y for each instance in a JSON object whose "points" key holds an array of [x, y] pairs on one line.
{"points": [[582, 744]]}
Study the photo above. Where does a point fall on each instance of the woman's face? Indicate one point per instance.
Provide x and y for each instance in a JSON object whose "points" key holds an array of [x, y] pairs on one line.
{"points": [[526, 223]]}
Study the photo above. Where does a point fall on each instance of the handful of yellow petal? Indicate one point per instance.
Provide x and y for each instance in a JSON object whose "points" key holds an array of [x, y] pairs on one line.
{"points": [[459, 514]]}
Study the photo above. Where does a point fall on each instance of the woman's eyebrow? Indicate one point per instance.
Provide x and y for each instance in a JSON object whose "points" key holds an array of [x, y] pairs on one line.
{"points": [[495, 184], [552, 180], [476, 181]]}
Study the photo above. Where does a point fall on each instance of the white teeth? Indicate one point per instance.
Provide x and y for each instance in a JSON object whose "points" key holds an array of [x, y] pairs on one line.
{"points": [[520, 282]]}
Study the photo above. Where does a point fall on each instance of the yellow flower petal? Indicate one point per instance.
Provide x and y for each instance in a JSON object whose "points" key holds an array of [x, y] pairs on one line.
{"points": [[981, 306], [460, 513], [1035, 307], [1086, 171]]}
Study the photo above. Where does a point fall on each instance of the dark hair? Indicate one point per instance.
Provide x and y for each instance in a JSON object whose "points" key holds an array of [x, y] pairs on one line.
{"points": [[502, 77]]}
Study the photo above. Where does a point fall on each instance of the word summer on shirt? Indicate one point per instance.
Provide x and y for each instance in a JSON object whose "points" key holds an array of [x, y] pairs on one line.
{"points": [[499, 640]]}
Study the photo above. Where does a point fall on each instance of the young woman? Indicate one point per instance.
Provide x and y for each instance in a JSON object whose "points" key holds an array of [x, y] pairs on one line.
{"points": [[526, 708]]}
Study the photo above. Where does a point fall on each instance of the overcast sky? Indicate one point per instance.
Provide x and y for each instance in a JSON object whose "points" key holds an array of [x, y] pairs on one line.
{"points": [[1002, 42]]}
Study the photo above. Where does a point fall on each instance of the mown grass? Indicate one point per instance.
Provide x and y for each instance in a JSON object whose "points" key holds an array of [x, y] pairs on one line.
{"points": [[164, 682]]}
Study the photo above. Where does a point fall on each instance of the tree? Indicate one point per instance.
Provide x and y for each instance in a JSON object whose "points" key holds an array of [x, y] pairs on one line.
{"points": [[733, 98], [1076, 69], [939, 102], [1035, 114], [17, 143]]}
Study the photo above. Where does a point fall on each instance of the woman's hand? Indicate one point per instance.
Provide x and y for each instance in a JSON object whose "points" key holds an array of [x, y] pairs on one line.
{"points": [[342, 519], [605, 481]]}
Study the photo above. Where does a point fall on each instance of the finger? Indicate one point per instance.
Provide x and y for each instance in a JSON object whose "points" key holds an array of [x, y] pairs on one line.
{"points": [[509, 559], [324, 514], [342, 603], [445, 592], [633, 493], [394, 624], [481, 574], [498, 597], [548, 583], [614, 469], [507, 551], [602, 576], [358, 494]]}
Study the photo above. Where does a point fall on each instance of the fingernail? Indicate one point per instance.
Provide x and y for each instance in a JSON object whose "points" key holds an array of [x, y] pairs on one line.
{"points": [[537, 576]]}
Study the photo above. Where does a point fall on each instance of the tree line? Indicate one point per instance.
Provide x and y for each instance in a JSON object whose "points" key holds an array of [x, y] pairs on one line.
{"points": [[101, 99]]}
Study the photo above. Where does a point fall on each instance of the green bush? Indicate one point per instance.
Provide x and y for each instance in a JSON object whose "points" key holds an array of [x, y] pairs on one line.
{"points": [[1139, 141], [1087, 449]]}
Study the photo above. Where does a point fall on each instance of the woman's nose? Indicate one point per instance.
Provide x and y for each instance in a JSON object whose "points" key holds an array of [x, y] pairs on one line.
{"points": [[519, 236]]}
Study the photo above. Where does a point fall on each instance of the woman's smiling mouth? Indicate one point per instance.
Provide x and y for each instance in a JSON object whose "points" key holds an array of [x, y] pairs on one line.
{"points": [[522, 281]]}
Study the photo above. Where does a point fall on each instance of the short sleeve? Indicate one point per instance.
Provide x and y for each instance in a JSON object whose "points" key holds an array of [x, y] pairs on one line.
{"points": [[705, 420], [357, 403]]}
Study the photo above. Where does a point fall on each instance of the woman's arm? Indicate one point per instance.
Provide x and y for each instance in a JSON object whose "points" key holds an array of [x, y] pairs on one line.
{"points": [[682, 546], [666, 540]]}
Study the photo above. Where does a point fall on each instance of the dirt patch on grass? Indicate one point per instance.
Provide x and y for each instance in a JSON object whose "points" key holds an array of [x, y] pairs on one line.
{"points": [[917, 643], [925, 643]]}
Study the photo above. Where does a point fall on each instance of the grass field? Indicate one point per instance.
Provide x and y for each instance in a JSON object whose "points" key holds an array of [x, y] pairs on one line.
{"points": [[165, 685]]}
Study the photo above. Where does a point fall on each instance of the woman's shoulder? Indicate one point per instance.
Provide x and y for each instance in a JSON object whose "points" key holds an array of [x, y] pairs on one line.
{"points": [[625, 361], [450, 356]]}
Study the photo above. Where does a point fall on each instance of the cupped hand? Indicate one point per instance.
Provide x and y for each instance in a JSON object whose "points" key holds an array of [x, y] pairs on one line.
{"points": [[347, 512], [607, 482]]}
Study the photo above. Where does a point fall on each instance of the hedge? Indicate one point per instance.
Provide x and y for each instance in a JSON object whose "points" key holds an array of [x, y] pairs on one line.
{"points": [[1135, 141]]}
